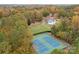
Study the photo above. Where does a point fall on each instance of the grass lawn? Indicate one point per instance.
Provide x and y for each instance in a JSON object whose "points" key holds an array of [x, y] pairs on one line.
{"points": [[37, 28]]}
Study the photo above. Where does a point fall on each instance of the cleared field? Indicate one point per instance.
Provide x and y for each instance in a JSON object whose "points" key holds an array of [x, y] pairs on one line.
{"points": [[39, 28]]}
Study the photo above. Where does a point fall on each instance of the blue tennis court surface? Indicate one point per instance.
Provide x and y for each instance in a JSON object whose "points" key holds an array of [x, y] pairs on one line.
{"points": [[44, 43]]}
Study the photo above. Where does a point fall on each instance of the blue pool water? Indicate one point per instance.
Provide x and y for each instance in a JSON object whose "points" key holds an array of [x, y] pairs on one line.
{"points": [[44, 43]]}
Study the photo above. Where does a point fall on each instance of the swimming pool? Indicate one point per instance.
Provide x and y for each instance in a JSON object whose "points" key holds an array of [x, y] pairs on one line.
{"points": [[45, 43]]}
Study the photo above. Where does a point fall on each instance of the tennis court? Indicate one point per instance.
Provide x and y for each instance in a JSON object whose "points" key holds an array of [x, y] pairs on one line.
{"points": [[45, 43]]}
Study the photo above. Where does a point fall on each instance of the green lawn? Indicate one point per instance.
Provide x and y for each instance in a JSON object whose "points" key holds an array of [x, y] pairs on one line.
{"points": [[37, 28]]}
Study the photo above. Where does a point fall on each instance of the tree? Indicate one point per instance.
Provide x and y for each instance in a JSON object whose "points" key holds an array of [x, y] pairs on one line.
{"points": [[37, 15], [45, 12], [15, 34], [76, 44], [75, 23]]}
